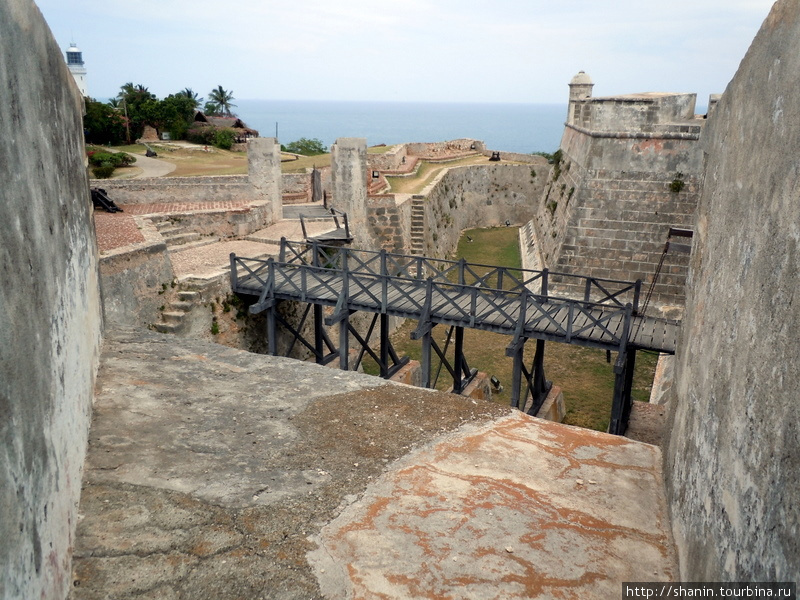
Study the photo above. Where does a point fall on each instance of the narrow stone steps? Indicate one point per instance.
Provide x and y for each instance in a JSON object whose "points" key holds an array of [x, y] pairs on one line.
{"points": [[197, 244], [181, 238], [182, 305], [173, 317]]}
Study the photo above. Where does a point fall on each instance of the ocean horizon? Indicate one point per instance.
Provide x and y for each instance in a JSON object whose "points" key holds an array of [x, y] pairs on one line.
{"points": [[522, 128]]}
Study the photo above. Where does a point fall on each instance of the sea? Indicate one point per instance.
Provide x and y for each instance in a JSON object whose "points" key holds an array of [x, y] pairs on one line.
{"points": [[522, 128]]}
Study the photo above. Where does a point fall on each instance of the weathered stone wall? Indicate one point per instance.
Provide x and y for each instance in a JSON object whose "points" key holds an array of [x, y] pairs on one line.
{"points": [[649, 112], [479, 196], [264, 174], [391, 160], [130, 278], [153, 190], [609, 204], [434, 150], [50, 318], [389, 218], [733, 460], [349, 185]]}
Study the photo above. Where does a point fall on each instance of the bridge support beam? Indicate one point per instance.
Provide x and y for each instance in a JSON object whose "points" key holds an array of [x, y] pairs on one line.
{"points": [[322, 347], [623, 386], [536, 385]]}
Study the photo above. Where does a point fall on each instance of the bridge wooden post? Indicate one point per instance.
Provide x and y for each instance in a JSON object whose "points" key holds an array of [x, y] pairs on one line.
{"points": [[272, 331], [458, 361], [623, 380], [344, 343], [344, 324], [516, 373], [318, 339], [384, 349], [424, 331], [282, 253], [540, 389], [425, 359]]}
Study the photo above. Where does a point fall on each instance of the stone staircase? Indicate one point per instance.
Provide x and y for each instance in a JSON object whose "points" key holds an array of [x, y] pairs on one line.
{"points": [[172, 317], [176, 235], [417, 225]]}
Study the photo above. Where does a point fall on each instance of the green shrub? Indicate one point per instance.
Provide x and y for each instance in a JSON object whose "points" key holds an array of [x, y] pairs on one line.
{"points": [[201, 134], [114, 159], [224, 138], [103, 171]]}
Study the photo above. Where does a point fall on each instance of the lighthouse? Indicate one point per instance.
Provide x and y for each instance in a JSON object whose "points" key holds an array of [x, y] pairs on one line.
{"points": [[75, 64]]}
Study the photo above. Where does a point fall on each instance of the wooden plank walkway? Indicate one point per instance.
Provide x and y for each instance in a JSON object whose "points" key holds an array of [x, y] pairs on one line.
{"points": [[469, 306]]}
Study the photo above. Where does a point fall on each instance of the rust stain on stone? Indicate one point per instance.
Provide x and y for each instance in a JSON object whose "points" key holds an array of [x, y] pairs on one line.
{"points": [[465, 520]]}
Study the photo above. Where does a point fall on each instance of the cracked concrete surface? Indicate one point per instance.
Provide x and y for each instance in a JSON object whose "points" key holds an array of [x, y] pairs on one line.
{"points": [[217, 473]]}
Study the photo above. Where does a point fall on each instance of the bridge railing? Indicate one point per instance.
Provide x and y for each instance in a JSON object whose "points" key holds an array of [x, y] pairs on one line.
{"points": [[594, 289], [510, 311]]}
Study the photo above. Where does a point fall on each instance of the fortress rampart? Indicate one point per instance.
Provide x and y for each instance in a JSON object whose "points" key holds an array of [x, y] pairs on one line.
{"points": [[733, 460], [628, 169]]}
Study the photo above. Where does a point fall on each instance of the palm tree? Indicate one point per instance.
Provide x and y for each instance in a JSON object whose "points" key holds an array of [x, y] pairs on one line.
{"points": [[192, 95], [222, 100]]}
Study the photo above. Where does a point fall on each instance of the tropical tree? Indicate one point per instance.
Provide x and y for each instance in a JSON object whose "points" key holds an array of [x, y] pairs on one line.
{"points": [[306, 147], [212, 108], [102, 124], [139, 106], [221, 99], [192, 95]]}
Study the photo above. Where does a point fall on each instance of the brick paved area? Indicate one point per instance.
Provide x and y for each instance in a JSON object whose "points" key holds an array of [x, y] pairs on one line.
{"points": [[173, 207], [115, 230]]}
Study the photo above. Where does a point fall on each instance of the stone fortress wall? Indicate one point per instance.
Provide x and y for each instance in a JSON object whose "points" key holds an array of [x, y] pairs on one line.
{"points": [[50, 320], [459, 198], [628, 169], [733, 460], [480, 196]]}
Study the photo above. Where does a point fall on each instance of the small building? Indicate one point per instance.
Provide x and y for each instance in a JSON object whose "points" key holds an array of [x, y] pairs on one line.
{"points": [[242, 131]]}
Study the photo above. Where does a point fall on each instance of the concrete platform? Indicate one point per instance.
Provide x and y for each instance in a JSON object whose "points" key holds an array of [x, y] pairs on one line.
{"points": [[215, 473]]}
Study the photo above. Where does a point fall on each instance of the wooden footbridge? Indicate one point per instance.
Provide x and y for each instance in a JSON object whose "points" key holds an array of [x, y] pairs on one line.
{"points": [[515, 302]]}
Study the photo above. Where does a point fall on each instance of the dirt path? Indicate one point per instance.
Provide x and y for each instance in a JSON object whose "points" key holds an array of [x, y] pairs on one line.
{"points": [[153, 167]]}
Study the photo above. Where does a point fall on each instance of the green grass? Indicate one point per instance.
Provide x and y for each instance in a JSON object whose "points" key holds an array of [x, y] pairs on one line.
{"points": [[583, 374], [427, 172]]}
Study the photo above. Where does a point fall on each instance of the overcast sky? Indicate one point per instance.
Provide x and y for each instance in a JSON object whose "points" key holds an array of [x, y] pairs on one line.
{"points": [[411, 50]]}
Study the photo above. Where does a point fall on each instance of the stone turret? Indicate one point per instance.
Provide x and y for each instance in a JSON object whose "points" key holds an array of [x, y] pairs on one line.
{"points": [[580, 88]]}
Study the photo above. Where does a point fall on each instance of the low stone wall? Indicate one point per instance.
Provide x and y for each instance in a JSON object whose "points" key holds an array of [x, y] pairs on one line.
{"points": [[534, 159], [236, 222], [226, 188], [129, 284], [391, 160], [437, 150]]}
